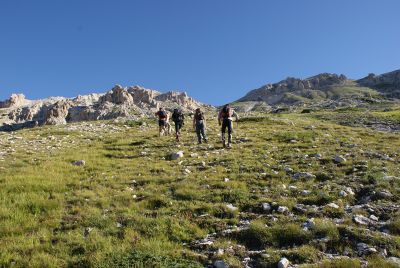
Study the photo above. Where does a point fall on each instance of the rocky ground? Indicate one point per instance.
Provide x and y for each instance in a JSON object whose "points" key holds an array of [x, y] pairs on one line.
{"points": [[299, 190]]}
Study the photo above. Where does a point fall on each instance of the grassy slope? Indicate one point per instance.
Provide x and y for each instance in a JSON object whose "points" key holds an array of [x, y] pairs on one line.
{"points": [[56, 214]]}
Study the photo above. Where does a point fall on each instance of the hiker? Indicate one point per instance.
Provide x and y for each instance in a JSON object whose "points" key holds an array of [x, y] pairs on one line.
{"points": [[162, 120], [199, 123], [225, 118], [179, 120]]}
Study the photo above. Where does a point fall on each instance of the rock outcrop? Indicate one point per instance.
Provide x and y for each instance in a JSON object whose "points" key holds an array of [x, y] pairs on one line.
{"points": [[15, 100], [118, 95], [57, 113], [129, 102]]}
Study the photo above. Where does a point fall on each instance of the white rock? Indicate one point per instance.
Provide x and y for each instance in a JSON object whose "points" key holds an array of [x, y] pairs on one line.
{"points": [[305, 192], [176, 155], [332, 205], [283, 263], [266, 207], [360, 219], [374, 218], [231, 207], [283, 209]]}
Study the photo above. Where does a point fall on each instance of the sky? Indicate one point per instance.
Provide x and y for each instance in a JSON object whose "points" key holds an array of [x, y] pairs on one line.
{"points": [[215, 50]]}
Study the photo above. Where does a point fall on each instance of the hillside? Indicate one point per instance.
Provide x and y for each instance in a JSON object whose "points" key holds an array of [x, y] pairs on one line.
{"points": [[324, 91], [306, 187]]}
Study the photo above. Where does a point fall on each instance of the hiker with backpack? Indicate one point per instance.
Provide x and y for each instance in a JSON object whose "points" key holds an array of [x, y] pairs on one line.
{"points": [[179, 120], [162, 120], [225, 118], [199, 124]]}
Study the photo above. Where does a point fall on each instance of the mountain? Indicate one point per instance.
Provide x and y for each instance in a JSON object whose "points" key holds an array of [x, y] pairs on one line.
{"points": [[325, 90], [130, 102], [387, 84]]}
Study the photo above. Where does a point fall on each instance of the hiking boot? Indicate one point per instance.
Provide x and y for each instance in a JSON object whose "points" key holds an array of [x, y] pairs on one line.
{"points": [[229, 145]]}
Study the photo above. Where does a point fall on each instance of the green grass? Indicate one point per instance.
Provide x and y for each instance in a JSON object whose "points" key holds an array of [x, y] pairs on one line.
{"points": [[129, 209]]}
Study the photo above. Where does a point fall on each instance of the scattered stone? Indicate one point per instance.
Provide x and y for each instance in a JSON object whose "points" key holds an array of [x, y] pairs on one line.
{"points": [[384, 194], [79, 163], [332, 205], [339, 159], [374, 218], [362, 220], [304, 175], [349, 191], [309, 224], [220, 264], [226, 179], [283, 263], [174, 156], [283, 209], [266, 207], [364, 249], [305, 192], [231, 207]]}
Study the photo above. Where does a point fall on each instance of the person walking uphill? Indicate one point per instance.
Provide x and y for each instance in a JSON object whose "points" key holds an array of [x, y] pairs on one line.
{"points": [[199, 123], [179, 120], [225, 118], [162, 121]]}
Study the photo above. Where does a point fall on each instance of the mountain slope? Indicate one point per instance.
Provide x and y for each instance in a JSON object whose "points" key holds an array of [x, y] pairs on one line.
{"points": [[327, 90]]}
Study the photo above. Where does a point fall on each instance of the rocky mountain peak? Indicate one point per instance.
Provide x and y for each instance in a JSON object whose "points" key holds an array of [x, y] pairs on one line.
{"points": [[15, 100], [120, 101]]}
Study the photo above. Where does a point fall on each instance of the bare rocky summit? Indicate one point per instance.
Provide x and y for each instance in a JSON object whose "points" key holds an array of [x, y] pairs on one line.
{"points": [[130, 102]]}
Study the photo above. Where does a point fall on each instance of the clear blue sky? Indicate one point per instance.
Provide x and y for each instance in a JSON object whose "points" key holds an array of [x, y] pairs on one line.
{"points": [[216, 50]]}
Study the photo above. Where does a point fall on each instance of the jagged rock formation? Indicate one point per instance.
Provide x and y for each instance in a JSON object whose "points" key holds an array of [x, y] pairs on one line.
{"points": [[16, 100], [118, 102], [57, 113], [388, 83]]}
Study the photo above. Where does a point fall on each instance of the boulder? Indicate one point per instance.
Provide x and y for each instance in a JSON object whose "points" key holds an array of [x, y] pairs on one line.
{"points": [[339, 159], [174, 156], [362, 220], [220, 264], [79, 163], [283, 263], [266, 207]]}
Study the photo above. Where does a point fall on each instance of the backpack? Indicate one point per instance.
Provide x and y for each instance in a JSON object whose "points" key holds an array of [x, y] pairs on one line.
{"points": [[226, 112], [162, 114], [199, 116], [177, 116]]}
